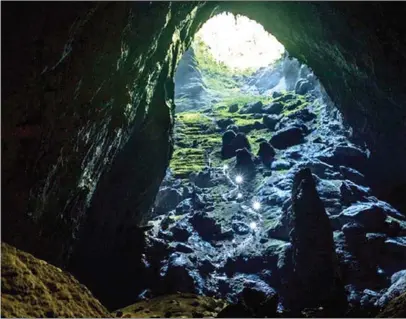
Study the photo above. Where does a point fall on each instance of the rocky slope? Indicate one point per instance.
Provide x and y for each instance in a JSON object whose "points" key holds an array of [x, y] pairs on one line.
{"points": [[333, 235]]}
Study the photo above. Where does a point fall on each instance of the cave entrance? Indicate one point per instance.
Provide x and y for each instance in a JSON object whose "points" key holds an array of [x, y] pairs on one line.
{"points": [[213, 209]]}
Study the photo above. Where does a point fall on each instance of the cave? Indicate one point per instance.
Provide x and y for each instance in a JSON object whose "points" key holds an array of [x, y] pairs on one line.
{"points": [[89, 123]]}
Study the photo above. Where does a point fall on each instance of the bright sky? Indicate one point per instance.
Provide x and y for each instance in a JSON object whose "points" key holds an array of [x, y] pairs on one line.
{"points": [[240, 43]]}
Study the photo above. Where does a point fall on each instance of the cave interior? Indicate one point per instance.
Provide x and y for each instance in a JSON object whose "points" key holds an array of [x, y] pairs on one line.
{"points": [[134, 171]]}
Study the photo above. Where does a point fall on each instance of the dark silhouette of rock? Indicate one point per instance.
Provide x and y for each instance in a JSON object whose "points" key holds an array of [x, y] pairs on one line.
{"points": [[241, 141], [251, 108], [273, 108], [224, 123], [233, 128], [287, 137], [233, 108], [303, 86], [266, 152], [317, 281], [244, 160], [276, 94], [227, 150], [270, 121]]}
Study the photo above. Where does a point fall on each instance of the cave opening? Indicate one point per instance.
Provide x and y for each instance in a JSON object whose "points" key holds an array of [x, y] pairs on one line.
{"points": [[244, 125], [268, 194]]}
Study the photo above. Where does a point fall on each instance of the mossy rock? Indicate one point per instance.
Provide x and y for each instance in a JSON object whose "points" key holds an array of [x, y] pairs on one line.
{"points": [[181, 305], [31, 287]]}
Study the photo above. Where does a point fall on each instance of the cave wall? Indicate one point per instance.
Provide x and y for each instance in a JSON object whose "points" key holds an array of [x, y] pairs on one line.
{"points": [[88, 102]]}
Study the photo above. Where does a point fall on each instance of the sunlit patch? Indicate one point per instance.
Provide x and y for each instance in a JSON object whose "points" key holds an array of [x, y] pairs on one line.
{"points": [[239, 196], [253, 225], [239, 42], [256, 205], [225, 167], [239, 179]]}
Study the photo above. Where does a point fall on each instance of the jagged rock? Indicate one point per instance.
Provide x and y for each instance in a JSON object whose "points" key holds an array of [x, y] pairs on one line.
{"points": [[353, 175], [167, 199], [184, 206], [281, 165], [205, 267], [270, 121], [202, 179], [251, 108], [303, 86], [240, 228], [240, 141], [345, 156], [183, 248], [244, 160], [351, 193], [370, 215], [206, 226], [227, 150], [273, 108], [31, 287], [304, 115], [285, 138], [181, 232], [317, 278], [266, 152], [224, 123], [178, 275], [286, 97], [398, 287], [233, 108], [261, 303], [233, 128]]}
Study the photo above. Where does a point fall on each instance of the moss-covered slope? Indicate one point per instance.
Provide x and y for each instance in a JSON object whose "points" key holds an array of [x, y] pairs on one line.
{"points": [[31, 287]]}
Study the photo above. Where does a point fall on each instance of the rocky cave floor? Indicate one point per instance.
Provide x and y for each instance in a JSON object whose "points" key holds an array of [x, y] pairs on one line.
{"points": [[207, 239], [212, 253]]}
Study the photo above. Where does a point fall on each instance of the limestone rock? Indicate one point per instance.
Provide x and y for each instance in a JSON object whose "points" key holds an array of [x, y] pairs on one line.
{"points": [[315, 267]]}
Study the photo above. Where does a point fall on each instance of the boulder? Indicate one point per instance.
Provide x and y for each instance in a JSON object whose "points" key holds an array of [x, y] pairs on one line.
{"points": [[240, 141], [233, 108], [270, 121], [287, 137], [227, 150], [266, 152], [224, 123], [244, 160], [167, 199], [252, 108], [273, 108], [370, 215], [303, 86]]}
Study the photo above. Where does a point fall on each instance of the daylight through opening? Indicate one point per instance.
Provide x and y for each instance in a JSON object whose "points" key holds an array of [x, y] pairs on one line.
{"points": [[248, 118]]}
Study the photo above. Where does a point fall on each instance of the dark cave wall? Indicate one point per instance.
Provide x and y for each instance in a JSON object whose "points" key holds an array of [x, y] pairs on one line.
{"points": [[80, 80], [87, 112]]}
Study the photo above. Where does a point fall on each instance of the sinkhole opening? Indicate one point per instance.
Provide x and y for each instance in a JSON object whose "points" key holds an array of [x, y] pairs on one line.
{"points": [[248, 116]]}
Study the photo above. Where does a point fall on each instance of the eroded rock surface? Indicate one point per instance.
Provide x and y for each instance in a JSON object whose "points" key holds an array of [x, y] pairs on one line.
{"points": [[31, 287]]}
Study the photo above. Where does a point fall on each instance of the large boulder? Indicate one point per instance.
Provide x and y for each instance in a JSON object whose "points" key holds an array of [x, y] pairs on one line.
{"points": [[266, 152], [287, 137], [317, 281], [31, 287]]}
